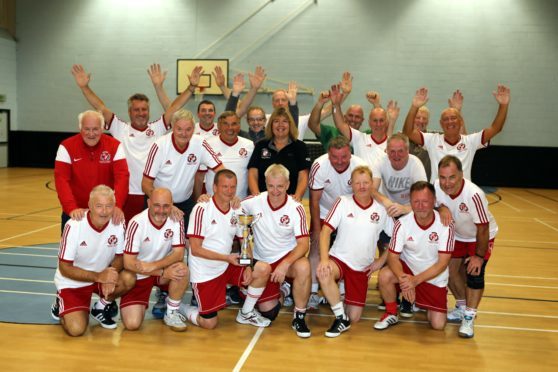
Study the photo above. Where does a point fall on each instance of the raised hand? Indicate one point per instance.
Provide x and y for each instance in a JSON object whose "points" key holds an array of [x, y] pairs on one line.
{"points": [[219, 76], [238, 84], [157, 75], [81, 76], [257, 78], [456, 100], [420, 98], [292, 92], [324, 97], [502, 94], [374, 98], [194, 78], [335, 95], [346, 83], [393, 110]]}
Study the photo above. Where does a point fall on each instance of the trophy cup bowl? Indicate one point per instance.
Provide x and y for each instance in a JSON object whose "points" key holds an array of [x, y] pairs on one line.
{"points": [[245, 221]]}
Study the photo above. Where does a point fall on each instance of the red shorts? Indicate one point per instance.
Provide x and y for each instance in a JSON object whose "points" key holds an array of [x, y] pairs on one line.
{"points": [[468, 249], [77, 299], [211, 295], [272, 290], [135, 204], [428, 296], [356, 283], [139, 295]]}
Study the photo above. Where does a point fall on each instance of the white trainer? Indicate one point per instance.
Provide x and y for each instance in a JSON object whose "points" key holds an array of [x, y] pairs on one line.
{"points": [[313, 301], [175, 320], [385, 321], [456, 315], [467, 329], [252, 318]]}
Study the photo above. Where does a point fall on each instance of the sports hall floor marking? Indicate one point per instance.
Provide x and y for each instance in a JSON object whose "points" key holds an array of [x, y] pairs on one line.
{"points": [[545, 224], [522, 285], [29, 232], [31, 247], [520, 277], [510, 206], [529, 202], [248, 350], [27, 254]]}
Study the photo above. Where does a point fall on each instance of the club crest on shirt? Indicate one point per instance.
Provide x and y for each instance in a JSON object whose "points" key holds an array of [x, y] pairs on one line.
{"points": [[374, 217], [284, 220], [104, 157], [463, 208], [215, 132], [234, 220], [192, 158], [149, 132], [461, 147], [266, 154], [433, 237], [112, 241], [169, 234], [350, 182], [243, 153]]}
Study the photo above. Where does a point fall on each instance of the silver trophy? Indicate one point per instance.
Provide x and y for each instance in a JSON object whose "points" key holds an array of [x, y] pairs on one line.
{"points": [[245, 222]]}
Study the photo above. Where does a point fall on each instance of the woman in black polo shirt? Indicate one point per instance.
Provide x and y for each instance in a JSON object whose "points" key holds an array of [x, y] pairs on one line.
{"points": [[280, 147]]}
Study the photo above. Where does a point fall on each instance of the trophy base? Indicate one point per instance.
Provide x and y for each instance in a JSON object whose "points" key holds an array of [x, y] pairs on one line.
{"points": [[244, 261]]}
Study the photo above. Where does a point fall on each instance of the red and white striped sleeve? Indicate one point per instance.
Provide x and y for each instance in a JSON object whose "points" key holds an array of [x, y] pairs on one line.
{"points": [[196, 226], [133, 237], [68, 243]]}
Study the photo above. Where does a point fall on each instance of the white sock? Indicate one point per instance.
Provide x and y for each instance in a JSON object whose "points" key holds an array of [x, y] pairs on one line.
{"points": [[460, 304], [190, 312], [315, 287], [342, 287], [469, 311], [100, 305], [339, 310], [172, 305], [251, 298]]}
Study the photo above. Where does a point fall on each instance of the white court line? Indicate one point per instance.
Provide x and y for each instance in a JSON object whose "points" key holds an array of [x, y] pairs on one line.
{"points": [[520, 277], [29, 232], [530, 202], [510, 206], [248, 350], [31, 293], [26, 254], [527, 241], [31, 215], [544, 223], [30, 247], [27, 280], [519, 314], [522, 285]]}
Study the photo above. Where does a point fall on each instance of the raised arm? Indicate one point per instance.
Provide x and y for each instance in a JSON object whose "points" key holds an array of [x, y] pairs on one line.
{"points": [[346, 87], [374, 98], [420, 99], [502, 95], [221, 82], [238, 86], [158, 77], [456, 102], [82, 79], [392, 115], [256, 80], [194, 80], [336, 98], [316, 114]]}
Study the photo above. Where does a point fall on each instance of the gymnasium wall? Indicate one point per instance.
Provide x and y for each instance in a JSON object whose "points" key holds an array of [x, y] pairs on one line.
{"points": [[391, 46]]}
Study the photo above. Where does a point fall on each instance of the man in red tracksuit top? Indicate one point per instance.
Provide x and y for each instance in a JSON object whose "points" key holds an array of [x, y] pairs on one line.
{"points": [[86, 160]]}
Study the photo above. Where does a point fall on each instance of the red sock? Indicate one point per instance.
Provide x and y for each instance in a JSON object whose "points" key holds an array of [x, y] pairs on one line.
{"points": [[391, 308]]}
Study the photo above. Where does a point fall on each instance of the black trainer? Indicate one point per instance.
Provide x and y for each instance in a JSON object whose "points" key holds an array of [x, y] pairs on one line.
{"points": [[299, 325], [406, 309], [55, 309], [233, 296], [339, 326], [113, 309], [103, 317]]}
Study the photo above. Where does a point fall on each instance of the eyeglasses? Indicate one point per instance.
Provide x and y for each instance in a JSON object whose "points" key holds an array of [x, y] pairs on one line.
{"points": [[257, 119]]}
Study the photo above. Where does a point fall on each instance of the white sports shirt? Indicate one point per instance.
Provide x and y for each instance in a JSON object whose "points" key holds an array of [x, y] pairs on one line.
{"points": [[366, 147]]}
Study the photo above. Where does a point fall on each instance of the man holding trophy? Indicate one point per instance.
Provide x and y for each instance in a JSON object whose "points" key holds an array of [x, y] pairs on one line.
{"points": [[212, 228], [281, 239]]}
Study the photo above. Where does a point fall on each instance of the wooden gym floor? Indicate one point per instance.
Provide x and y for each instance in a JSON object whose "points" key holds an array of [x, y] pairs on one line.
{"points": [[516, 329]]}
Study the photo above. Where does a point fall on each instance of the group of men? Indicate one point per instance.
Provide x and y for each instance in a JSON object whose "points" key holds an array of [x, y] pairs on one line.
{"points": [[356, 201]]}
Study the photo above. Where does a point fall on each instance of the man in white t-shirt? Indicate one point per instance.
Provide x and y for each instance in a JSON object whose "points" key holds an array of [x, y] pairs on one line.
{"points": [[173, 162], [395, 172], [475, 230], [330, 177], [233, 151], [154, 251], [358, 220], [90, 261], [138, 135], [418, 258], [281, 240], [212, 229], [452, 142]]}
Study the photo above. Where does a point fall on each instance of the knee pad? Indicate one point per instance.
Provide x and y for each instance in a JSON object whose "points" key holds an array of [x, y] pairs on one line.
{"points": [[271, 314], [476, 281], [209, 316]]}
